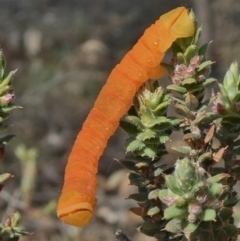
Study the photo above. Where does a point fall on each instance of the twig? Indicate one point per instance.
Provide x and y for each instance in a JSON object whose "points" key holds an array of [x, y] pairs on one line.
{"points": [[120, 236]]}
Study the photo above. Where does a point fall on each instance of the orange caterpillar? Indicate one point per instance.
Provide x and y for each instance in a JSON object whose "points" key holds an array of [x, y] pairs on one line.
{"points": [[77, 201]]}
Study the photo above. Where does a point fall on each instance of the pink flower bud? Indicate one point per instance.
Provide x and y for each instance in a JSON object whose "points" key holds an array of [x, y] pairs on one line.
{"points": [[8, 98]]}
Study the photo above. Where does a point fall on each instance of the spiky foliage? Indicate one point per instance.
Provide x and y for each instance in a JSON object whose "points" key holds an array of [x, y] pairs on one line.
{"points": [[6, 98], [149, 129], [226, 104], [194, 199], [10, 229]]}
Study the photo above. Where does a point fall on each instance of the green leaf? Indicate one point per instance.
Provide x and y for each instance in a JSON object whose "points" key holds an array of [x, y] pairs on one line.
{"points": [[186, 150], [177, 88], [204, 65], [186, 175], [174, 121], [189, 137], [136, 121], [150, 151], [157, 141], [161, 108], [153, 194], [189, 81], [216, 189], [209, 81], [189, 228], [201, 119], [8, 79], [4, 90], [205, 156], [229, 80], [184, 111], [191, 101], [147, 134], [198, 31], [6, 139], [175, 212], [232, 91], [223, 90], [174, 226], [235, 71], [134, 144], [139, 197], [163, 127], [218, 177], [190, 52], [152, 142], [178, 100], [153, 211], [156, 121], [15, 219], [181, 58], [162, 194], [4, 177], [173, 185], [164, 138], [128, 127], [236, 97], [2, 64], [209, 215], [10, 107]]}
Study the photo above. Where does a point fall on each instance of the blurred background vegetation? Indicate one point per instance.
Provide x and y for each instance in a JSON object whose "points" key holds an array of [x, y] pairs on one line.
{"points": [[64, 51]]}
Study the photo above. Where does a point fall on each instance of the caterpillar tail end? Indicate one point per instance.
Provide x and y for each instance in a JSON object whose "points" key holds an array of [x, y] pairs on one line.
{"points": [[73, 211]]}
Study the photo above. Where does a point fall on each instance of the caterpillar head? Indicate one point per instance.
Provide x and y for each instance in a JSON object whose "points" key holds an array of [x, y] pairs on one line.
{"points": [[178, 22]]}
